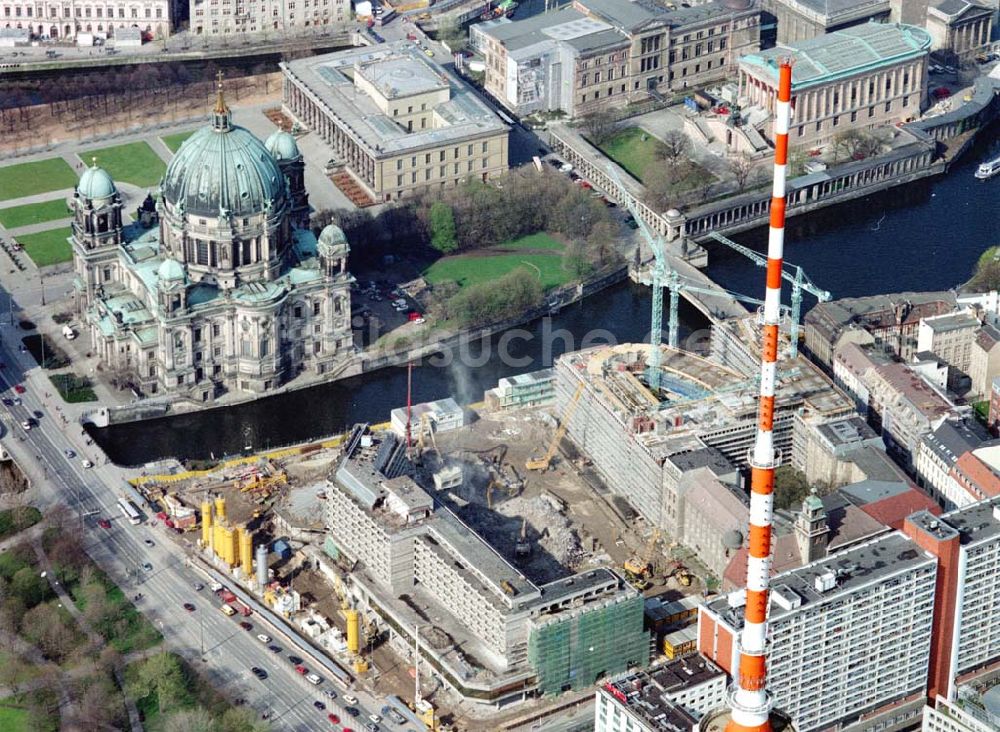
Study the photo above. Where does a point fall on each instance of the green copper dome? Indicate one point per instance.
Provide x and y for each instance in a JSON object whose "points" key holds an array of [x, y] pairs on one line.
{"points": [[223, 168], [171, 271], [95, 183], [282, 146]]}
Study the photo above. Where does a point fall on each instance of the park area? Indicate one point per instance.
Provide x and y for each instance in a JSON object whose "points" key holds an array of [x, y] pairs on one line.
{"points": [[539, 253], [134, 162], [30, 179], [47, 247], [634, 149], [29, 214], [174, 142]]}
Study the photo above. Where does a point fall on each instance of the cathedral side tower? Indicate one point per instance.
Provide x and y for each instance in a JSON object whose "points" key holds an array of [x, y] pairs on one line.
{"points": [[97, 234]]}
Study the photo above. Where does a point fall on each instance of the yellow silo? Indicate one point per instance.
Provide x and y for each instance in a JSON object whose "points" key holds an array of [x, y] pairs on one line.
{"points": [[206, 523], [246, 552], [225, 544], [219, 540], [353, 630], [220, 508]]}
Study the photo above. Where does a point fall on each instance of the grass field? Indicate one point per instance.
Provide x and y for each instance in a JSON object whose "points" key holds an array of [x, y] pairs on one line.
{"points": [[47, 247], [134, 162], [174, 141], [631, 151], [12, 719], [73, 388], [29, 179], [471, 270], [33, 213]]}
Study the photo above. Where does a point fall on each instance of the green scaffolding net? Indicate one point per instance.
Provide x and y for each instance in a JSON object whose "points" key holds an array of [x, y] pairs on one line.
{"points": [[574, 649]]}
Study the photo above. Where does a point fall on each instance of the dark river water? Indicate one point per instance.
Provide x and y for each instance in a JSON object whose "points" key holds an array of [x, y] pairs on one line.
{"points": [[922, 236]]}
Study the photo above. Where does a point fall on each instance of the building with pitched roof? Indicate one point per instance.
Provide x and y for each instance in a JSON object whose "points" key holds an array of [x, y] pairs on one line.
{"points": [[890, 320], [860, 77], [231, 291], [938, 454], [984, 361], [397, 121], [959, 28]]}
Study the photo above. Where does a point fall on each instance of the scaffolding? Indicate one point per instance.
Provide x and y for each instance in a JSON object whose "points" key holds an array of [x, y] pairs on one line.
{"points": [[573, 649]]}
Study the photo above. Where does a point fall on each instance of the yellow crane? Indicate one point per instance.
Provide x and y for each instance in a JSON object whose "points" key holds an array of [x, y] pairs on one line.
{"points": [[543, 462]]}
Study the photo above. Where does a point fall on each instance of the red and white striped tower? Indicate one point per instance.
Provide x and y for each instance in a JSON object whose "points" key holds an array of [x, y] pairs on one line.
{"points": [[749, 701]]}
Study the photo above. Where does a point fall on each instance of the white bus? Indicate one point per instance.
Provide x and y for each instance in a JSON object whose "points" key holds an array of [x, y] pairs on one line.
{"points": [[130, 512]]}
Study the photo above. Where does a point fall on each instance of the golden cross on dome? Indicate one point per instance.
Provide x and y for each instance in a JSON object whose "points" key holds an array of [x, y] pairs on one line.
{"points": [[220, 102]]}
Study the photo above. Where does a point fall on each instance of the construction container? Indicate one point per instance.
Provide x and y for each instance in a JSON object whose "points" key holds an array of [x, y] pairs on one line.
{"points": [[681, 642], [246, 552], [206, 523], [282, 549], [353, 630], [220, 509], [225, 544]]}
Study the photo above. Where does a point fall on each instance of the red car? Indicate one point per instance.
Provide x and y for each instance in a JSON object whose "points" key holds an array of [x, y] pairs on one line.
{"points": [[246, 626], [19, 389], [302, 669], [104, 523], [334, 719]]}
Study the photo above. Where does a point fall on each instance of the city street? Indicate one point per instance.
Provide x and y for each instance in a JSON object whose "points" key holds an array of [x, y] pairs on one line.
{"points": [[210, 641]]}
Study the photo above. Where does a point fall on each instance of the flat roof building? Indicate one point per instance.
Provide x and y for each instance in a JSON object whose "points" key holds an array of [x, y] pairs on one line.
{"points": [[800, 20], [861, 77], [397, 121], [497, 636], [668, 698]]}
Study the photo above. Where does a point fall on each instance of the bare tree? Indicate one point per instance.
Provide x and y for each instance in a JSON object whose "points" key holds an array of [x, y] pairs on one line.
{"points": [[742, 168], [676, 146], [600, 126], [855, 144]]}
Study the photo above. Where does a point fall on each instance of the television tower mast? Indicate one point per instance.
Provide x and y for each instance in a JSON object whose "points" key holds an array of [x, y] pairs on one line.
{"points": [[749, 701]]}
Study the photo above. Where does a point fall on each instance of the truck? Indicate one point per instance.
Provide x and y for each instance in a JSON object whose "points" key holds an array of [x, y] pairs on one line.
{"points": [[227, 596]]}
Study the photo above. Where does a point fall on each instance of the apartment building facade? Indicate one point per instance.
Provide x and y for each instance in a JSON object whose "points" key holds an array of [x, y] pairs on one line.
{"points": [[61, 19], [850, 635], [860, 77], [950, 337], [227, 17]]}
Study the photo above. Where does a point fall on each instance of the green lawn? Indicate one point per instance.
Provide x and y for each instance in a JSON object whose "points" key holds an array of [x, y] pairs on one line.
{"points": [[540, 240], [174, 141], [133, 162], [47, 247], [29, 179], [473, 269], [33, 213], [631, 151], [12, 719]]}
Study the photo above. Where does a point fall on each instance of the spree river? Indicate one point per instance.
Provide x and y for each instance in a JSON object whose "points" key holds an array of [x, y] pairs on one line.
{"points": [[922, 236]]}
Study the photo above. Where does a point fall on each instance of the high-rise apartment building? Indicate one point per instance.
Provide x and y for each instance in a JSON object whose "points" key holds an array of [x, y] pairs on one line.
{"points": [[850, 635]]}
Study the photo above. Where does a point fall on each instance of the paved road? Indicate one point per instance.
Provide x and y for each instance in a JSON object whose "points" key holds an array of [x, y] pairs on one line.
{"points": [[146, 561]]}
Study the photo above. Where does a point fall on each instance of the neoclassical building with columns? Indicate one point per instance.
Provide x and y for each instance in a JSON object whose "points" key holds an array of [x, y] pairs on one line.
{"points": [[856, 78], [228, 290]]}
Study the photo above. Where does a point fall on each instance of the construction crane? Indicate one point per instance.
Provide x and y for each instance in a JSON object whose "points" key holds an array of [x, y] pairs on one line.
{"points": [[426, 431], [677, 283], [659, 272], [543, 462], [800, 281]]}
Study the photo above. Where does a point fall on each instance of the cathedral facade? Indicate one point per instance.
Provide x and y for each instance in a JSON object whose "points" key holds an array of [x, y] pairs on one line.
{"points": [[220, 286]]}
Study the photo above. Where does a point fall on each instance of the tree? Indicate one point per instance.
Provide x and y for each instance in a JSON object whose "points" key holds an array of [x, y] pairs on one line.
{"points": [[790, 487], [164, 675], [49, 629], [742, 169], [443, 228], [12, 671], [675, 148], [241, 720], [855, 144], [27, 585], [661, 182], [99, 705], [600, 126], [190, 720]]}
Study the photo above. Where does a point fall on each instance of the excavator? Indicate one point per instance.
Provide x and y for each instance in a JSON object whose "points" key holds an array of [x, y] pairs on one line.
{"points": [[543, 463]]}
